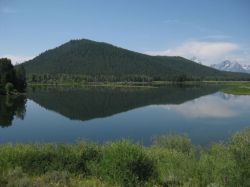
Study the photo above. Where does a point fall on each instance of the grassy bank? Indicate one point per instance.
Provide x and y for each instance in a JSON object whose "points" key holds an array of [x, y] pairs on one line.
{"points": [[238, 89], [131, 83], [230, 87], [98, 84], [170, 161]]}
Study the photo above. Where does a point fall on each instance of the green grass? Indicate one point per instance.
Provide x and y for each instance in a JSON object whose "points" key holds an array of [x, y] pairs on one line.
{"points": [[238, 88], [170, 161], [100, 84]]}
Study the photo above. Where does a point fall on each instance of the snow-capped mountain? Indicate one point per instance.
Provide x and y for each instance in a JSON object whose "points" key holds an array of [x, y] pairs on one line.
{"points": [[228, 65], [196, 59], [246, 67]]}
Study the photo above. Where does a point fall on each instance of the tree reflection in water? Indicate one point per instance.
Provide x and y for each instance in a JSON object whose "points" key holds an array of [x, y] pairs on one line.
{"points": [[10, 107]]}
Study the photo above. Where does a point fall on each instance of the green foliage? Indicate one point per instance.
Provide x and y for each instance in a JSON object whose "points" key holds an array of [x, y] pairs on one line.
{"points": [[126, 163], [11, 78], [217, 167], [7, 73], [174, 167], [166, 163], [37, 159], [175, 142], [240, 147], [20, 78], [89, 61], [238, 89]]}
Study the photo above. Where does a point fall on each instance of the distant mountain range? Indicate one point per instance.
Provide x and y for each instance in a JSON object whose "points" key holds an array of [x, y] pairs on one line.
{"points": [[231, 66], [105, 62]]}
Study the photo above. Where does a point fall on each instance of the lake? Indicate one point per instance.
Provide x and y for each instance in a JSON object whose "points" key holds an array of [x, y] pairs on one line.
{"points": [[99, 114]]}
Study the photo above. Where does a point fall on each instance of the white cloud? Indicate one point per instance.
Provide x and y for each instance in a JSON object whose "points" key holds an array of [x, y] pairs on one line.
{"points": [[17, 58], [243, 56], [208, 52]]}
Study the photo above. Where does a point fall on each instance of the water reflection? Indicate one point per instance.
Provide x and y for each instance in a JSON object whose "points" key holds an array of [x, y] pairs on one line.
{"points": [[104, 114], [212, 106], [89, 103], [10, 107]]}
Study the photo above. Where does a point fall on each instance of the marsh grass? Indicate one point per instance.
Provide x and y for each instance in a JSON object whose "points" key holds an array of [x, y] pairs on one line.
{"points": [[171, 161], [238, 89]]}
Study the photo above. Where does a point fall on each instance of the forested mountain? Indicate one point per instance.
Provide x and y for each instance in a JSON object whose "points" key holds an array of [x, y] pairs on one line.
{"points": [[96, 61]]}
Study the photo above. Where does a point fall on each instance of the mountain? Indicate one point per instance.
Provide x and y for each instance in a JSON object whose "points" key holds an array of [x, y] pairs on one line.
{"points": [[246, 68], [96, 61], [230, 66], [196, 59]]}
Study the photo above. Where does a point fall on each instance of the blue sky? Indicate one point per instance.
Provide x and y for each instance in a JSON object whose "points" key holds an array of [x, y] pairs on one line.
{"points": [[212, 30]]}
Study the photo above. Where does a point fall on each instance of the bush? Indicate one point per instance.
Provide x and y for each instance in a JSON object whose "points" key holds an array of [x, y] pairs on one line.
{"points": [[217, 166], [173, 167], [38, 159], [240, 148], [88, 156], [174, 142], [126, 163], [169, 162]]}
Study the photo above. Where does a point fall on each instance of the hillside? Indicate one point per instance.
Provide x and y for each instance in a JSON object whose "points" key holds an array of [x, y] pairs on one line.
{"points": [[102, 61]]}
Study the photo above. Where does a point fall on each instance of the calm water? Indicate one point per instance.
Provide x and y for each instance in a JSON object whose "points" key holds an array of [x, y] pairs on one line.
{"points": [[102, 114]]}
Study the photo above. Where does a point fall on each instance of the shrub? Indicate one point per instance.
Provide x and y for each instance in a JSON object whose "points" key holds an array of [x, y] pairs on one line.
{"points": [[88, 156], [174, 142], [126, 163], [169, 162], [37, 159], [240, 148], [216, 166], [173, 167]]}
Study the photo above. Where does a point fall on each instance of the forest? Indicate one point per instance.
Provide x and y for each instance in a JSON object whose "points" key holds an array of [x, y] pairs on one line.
{"points": [[84, 60], [12, 79]]}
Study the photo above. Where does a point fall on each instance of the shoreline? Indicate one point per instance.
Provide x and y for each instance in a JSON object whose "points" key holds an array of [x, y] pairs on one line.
{"points": [[230, 87]]}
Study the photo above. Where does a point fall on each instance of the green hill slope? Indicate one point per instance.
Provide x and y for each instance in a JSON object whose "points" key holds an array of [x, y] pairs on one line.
{"points": [[103, 61]]}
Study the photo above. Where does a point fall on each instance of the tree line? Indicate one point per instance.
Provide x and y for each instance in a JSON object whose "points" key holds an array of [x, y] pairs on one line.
{"points": [[12, 79]]}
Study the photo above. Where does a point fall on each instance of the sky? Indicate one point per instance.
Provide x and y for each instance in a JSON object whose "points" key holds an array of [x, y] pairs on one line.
{"points": [[211, 30]]}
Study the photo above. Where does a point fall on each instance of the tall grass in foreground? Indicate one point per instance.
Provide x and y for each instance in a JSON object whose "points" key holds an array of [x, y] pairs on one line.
{"points": [[171, 161]]}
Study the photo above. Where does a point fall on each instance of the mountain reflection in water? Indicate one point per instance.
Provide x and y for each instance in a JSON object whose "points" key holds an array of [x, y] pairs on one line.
{"points": [[90, 103], [63, 114]]}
